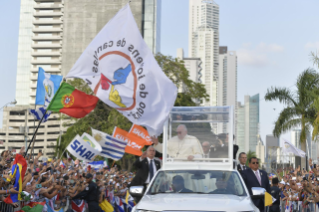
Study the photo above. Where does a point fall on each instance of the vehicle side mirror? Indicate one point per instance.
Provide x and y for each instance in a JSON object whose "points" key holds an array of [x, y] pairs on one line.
{"points": [[258, 193], [136, 191]]}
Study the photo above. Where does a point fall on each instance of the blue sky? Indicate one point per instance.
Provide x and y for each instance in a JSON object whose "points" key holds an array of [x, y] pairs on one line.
{"points": [[273, 40]]}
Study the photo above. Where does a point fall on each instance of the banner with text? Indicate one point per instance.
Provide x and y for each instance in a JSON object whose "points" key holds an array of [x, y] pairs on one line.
{"points": [[142, 133], [122, 72], [134, 143], [82, 150]]}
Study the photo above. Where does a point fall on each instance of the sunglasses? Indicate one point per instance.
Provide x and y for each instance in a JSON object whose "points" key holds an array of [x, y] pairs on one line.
{"points": [[255, 162], [179, 132]]}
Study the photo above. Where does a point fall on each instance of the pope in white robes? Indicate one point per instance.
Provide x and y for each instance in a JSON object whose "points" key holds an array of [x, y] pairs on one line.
{"points": [[182, 146]]}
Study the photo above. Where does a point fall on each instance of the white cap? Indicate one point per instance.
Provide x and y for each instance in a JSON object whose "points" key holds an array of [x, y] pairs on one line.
{"points": [[282, 182], [287, 184], [294, 178], [298, 184]]}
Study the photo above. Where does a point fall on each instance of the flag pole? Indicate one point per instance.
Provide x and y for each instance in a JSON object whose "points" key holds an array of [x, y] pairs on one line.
{"points": [[62, 154], [35, 132]]}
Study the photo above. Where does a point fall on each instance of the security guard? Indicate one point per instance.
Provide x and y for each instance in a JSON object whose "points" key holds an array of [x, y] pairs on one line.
{"points": [[90, 194], [275, 192]]}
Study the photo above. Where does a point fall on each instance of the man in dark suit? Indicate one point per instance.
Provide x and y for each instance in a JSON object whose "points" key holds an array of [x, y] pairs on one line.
{"points": [[242, 157], [178, 185], [255, 177], [146, 168]]}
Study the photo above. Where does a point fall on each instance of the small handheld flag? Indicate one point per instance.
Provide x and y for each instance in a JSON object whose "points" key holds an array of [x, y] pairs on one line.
{"points": [[269, 199], [18, 170]]}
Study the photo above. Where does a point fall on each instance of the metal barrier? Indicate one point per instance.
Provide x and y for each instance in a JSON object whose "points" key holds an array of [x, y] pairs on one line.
{"points": [[4, 207]]}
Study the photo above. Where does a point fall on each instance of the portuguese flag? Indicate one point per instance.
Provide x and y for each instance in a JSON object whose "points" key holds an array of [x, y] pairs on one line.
{"points": [[72, 102]]}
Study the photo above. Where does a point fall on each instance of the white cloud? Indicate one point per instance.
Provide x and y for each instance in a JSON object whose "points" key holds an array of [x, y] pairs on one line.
{"points": [[257, 55], [311, 45], [249, 57]]}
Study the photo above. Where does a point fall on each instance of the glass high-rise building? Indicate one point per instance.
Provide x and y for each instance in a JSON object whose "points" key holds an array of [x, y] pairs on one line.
{"points": [[52, 35], [248, 124]]}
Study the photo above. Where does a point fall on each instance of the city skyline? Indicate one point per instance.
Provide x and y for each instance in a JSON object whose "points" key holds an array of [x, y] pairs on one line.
{"points": [[52, 35], [269, 46]]}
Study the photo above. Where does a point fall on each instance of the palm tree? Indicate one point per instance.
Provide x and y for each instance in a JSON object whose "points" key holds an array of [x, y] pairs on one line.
{"points": [[250, 154], [299, 110]]}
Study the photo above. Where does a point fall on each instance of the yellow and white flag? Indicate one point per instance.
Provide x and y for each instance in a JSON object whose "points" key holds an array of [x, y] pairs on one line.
{"points": [[123, 73], [269, 199]]}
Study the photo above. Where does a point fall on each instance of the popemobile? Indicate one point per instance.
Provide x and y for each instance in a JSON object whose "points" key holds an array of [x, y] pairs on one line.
{"points": [[198, 171]]}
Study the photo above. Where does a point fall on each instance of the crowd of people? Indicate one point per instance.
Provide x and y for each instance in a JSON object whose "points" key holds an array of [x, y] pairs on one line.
{"points": [[66, 184], [63, 185], [295, 189]]}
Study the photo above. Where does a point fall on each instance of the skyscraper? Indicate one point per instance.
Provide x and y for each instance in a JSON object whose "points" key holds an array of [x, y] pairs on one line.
{"points": [[204, 43], [248, 123], [227, 82], [52, 35], [24, 52]]}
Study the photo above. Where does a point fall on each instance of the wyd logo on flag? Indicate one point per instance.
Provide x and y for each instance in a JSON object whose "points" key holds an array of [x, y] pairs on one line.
{"points": [[118, 81], [123, 73]]}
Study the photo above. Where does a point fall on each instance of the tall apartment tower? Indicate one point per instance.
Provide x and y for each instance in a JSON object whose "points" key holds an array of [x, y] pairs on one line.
{"points": [[52, 35], [248, 124], [204, 43], [227, 82]]}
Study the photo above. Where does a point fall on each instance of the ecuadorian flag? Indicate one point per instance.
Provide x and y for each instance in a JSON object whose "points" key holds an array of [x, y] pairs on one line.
{"points": [[18, 170]]}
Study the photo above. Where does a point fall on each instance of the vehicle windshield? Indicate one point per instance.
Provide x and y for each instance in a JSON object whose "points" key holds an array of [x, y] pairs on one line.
{"points": [[199, 134], [197, 181]]}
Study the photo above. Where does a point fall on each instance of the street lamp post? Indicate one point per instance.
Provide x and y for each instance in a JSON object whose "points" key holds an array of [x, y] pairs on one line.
{"points": [[9, 103]]}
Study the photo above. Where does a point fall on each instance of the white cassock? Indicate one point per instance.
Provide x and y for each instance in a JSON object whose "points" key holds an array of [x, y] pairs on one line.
{"points": [[181, 149]]}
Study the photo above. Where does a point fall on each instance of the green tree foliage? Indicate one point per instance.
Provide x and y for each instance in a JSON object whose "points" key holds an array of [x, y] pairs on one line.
{"points": [[299, 108], [175, 70], [250, 154], [104, 118]]}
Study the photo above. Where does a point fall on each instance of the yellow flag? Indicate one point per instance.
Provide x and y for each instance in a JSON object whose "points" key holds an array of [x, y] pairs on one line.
{"points": [[127, 196], [269, 199], [106, 206]]}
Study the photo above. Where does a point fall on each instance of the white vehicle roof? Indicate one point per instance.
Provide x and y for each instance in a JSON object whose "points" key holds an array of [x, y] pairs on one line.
{"points": [[205, 126]]}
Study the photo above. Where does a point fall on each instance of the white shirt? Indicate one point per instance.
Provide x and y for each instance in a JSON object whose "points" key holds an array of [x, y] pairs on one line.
{"points": [[154, 169], [242, 166]]}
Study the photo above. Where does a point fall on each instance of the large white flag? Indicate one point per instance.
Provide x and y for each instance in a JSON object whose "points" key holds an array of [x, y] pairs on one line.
{"points": [[288, 147], [123, 73]]}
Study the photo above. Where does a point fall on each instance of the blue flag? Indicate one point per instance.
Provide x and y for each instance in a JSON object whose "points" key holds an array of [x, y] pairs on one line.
{"points": [[46, 87], [38, 114]]}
